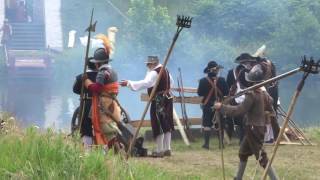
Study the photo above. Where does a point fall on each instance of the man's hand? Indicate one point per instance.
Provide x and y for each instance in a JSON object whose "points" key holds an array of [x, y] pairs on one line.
{"points": [[217, 105], [84, 76], [123, 83]]}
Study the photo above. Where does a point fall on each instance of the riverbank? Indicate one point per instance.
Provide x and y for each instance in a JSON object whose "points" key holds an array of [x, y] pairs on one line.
{"points": [[34, 154]]}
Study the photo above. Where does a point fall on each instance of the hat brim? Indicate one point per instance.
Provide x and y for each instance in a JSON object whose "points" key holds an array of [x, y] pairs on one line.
{"points": [[146, 62], [100, 61], [207, 69], [246, 60]]}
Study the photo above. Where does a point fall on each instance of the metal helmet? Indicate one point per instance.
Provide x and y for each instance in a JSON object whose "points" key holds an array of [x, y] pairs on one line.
{"points": [[100, 56], [256, 74]]}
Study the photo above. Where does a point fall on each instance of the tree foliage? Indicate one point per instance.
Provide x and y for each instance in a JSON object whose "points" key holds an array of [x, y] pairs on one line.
{"points": [[148, 30]]}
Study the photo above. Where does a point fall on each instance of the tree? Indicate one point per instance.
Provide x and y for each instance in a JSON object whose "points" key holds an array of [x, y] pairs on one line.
{"points": [[149, 31]]}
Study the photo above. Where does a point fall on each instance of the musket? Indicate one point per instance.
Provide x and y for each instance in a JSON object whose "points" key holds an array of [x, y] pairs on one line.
{"points": [[306, 66], [183, 110], [183, 104], [91, 28], [182, 22]]}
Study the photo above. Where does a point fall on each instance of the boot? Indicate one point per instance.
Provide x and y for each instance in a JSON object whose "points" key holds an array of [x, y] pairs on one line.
{"points": [[241, 168], [206, 135], [272, 174]]}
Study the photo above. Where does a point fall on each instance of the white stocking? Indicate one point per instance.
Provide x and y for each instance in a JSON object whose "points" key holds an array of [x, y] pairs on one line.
{"points": [[159, 141], [167, 141]]}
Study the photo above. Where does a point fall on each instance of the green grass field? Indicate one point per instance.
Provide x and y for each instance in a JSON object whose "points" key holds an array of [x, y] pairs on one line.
{"points": [[32, 154]]}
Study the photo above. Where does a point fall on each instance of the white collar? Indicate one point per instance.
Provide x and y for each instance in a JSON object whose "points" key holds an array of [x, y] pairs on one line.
{"points": [[159, 65]]}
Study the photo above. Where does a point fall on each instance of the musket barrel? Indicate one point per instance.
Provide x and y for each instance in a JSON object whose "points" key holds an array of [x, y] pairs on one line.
{"points": [[281, 76]]}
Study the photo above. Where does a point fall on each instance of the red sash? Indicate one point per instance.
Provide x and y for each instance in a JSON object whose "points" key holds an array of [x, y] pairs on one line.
{"points": [[100, 139]]}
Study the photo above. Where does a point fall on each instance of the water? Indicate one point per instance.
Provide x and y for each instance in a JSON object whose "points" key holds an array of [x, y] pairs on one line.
{"points": [[51, 102]]}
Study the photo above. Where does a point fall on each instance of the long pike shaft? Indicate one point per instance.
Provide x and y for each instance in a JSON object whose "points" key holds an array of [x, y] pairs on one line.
{"points": [[82, 101]]}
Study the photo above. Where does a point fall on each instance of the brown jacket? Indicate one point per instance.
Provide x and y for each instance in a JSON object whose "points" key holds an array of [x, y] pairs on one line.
{"points": [[253, 107]]}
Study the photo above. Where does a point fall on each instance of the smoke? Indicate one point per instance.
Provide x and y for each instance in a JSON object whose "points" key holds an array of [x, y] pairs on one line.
{"points": [[220, 32]]}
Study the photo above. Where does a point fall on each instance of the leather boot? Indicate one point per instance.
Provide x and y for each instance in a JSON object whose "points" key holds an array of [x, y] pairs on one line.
{"points": [[241, 168], [272, 174], [206, 135]]}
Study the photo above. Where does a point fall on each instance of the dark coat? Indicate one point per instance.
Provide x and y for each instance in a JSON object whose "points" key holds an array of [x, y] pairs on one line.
{"points": [[86, 128], [204, 88]]}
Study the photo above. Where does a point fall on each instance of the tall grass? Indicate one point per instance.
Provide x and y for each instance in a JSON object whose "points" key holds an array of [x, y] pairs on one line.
{"points": [[33, 154]]}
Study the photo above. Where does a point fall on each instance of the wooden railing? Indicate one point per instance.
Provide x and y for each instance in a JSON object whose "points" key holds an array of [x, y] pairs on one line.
{"points": [[176, 99]]}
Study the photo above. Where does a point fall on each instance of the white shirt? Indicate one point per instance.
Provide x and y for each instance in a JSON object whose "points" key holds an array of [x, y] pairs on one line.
{"points": [[148, 81]]}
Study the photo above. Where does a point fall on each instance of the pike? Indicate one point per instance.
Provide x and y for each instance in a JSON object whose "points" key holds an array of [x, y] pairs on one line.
{"points": [[182, 22], [91, 28], [308, 67]]}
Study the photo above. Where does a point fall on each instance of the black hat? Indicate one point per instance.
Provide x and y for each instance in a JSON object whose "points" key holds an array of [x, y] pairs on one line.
{"points": [[212, 65], [91, 65], [245, 57], [256, 74], [100, 56]]}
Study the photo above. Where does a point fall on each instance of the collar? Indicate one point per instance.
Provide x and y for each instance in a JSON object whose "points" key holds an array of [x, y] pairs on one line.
{"points": [[159, 65]]}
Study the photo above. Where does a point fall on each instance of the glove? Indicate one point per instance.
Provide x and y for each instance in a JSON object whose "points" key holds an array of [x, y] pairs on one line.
{"points": [[123, 83]]}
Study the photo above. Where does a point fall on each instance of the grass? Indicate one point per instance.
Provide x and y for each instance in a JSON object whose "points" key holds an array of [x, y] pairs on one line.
{"points": [[291, 161], [34, 154]]}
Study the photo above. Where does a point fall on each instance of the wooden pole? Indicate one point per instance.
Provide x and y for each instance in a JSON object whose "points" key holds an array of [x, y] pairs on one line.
{"points": [[90, 29], [217, 115], [285, 123]]}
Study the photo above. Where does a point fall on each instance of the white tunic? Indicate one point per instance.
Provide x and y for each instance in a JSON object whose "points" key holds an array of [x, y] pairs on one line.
{"points": [[148, 81]]}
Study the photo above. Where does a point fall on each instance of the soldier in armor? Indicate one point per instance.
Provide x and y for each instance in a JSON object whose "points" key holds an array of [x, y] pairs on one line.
{"points": [[254, 106], [105, 108], [207, 89], [86, 127], [161, 110]]}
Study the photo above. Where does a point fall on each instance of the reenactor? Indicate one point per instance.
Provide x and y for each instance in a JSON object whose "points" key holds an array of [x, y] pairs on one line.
{"points": [[209, 87], [254, 106]]}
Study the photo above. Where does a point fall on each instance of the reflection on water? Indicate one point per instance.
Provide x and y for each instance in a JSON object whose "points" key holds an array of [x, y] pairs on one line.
{"points": [[46, 103], [36, 102]]}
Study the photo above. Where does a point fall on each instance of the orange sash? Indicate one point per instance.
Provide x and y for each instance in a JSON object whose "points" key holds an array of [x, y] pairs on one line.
{"points": [[100, 139]]}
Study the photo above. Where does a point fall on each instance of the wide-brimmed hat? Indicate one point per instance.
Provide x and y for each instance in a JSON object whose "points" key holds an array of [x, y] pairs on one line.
{"points": [[212, 65], [245, 57], [256, 74], [152, 60], [100, 56]]}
